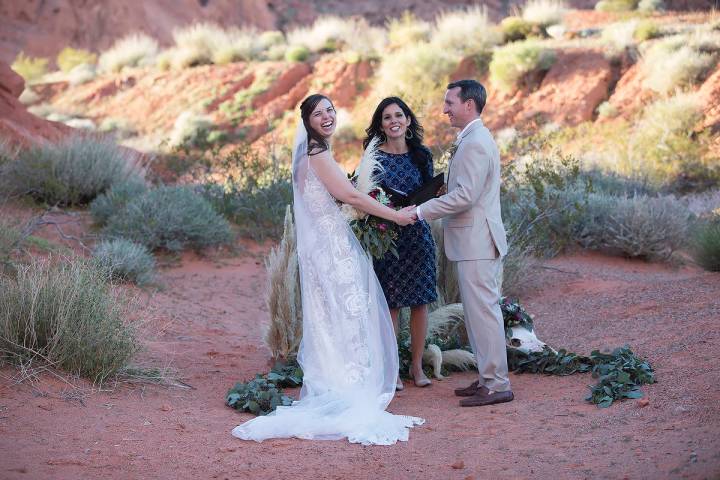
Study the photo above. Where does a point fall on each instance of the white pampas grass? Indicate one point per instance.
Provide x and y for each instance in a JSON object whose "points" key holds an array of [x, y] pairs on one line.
{"points": [[460, 359], [284, 301]]}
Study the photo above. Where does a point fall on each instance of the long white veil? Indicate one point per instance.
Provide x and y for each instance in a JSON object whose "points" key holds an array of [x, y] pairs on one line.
{"points": [[348, 352]]}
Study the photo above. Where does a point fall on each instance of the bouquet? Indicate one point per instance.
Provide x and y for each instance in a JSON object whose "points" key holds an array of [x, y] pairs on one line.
{"points": [[376, 235]]}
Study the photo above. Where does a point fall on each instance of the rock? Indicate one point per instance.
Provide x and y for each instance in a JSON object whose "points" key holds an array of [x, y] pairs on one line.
{"points": [[165, 407], [709, 95], [10, 81], [574, 86], [459, 465], [643, 402]]}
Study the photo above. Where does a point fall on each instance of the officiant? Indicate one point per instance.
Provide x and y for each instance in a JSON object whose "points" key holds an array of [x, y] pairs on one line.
{"points": [[408, 280]]}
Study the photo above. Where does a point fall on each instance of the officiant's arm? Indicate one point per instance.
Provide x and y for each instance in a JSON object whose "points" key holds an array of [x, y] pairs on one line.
{"points": [[471, 169], [340, 188]]}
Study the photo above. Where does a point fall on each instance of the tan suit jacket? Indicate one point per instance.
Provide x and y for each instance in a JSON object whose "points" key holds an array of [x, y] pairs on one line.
{"points": [[472, 223]]}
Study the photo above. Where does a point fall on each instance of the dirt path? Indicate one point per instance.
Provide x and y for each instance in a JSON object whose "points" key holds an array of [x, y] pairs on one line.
{"points": [[208, 324]]}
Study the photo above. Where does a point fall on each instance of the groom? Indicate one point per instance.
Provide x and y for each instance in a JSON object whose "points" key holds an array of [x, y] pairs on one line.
{"points": [[475, 239]]}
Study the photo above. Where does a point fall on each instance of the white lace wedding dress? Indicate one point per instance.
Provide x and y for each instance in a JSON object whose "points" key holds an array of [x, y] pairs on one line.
{"points": [[348, 351]]}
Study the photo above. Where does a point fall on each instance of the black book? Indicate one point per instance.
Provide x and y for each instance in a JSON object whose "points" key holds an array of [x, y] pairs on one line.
{"points": [[426, 192]]}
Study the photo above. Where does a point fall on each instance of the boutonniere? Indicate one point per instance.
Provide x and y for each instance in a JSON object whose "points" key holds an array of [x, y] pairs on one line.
{"points": [[448, 155]]}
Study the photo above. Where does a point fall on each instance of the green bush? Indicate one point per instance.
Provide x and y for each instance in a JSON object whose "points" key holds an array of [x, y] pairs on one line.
{"points": [[69, 58], [30, 68], [616, 5], [297, 53], [706, 244], [639, 226], [515, 28], [125, 261], [512, 63], [647, 30], [73, 172], [464, 32], [649, 6], [254, 200], [65, 315], [607, 110], [171, 218]]}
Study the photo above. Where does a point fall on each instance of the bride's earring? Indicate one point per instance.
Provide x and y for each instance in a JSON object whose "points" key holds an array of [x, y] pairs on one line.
{"points": [[408, 131]]}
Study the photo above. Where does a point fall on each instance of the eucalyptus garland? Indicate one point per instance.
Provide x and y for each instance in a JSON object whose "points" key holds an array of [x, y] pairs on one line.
{"points": [[619, 374], [263, 394]]}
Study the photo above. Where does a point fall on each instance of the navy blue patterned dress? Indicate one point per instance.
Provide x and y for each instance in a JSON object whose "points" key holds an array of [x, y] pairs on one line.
{"points": [[410, 280]]}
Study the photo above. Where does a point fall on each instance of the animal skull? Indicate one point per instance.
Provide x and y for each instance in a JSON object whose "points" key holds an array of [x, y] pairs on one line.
{"points": [[524, 340]]}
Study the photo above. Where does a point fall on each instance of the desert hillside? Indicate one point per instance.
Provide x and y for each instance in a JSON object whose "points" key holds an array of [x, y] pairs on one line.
{"points": [[43, 28]]}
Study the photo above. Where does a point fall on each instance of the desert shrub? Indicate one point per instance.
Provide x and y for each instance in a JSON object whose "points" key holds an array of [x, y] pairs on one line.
{"points": [[297, 53], [516, 28], [616, 5], [65, 315], [620, 36], [277, 52], [125, 261], [705, 244], [649, 6], [417, 72], [544, 12], [170, 218], [543, 202], [513, 63], [30, 68], [69, 58], [133, 50], [680, 61], [464, 32], [120, 128], [271, 38], [82, 73], [331, 33], [646, 30], [607, 110], [73, 172], [190, 129], [638, 226], [255, 198], [408, 29], [115, 199], [662, 146]]}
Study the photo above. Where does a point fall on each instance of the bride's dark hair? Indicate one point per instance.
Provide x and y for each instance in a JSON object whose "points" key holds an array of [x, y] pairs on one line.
{"points": [[419, 153], [316, 142]]}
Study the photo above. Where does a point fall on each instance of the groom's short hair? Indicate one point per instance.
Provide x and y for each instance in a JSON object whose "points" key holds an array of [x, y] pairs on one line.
{"points": [[471, 89]]}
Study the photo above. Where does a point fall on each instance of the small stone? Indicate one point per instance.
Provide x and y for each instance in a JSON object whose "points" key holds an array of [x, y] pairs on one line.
{"points": [[643, 402], [165, 407], [459, 465]]}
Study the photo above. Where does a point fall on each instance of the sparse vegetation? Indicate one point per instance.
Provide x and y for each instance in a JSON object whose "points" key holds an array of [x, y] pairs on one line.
{"points": [[125, 261], [706, 243], [190, 129], [408, 29], [297, 53], [170, 218], [63, 314], [513, 64], [130, 51], [73, 172], [30, 68], [464, 32], [69, 58], [680, 61], [646, 30], [616, 5], [516, 28], [544, 12], [115, 199], [330, 34]]}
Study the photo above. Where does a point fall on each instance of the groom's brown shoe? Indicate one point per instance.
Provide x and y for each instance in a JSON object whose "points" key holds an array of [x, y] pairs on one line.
{"points": [[470, 390], [482, 398]]}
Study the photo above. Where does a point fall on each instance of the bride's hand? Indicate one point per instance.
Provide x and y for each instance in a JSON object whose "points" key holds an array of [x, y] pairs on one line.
{"points": [[406, 216]]}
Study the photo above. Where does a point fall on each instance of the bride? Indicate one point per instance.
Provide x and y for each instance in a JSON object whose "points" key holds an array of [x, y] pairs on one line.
{"points": [[348, 352]]}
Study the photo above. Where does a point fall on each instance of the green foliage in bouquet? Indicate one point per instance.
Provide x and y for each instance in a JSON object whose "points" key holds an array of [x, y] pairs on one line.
{"points": [[376, 235]]}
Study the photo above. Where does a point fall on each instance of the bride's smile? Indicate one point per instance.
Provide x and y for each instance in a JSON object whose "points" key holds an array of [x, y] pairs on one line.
{"points": [[322, 119]]}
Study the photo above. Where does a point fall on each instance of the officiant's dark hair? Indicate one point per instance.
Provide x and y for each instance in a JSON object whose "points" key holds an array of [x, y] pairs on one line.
{"points": [[316, 142], [419, 153], [471, 89]]}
